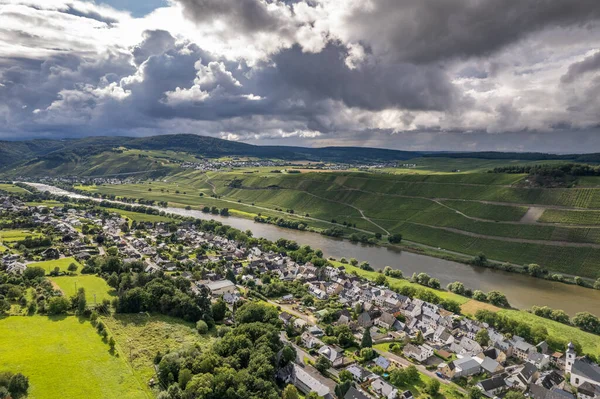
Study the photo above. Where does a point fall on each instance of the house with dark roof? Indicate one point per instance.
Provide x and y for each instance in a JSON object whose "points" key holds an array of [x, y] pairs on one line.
{"points": [[584, 370], [307, 379], [539, 392], [359, 374], [493, 386], [354, 393], [588, 391]]}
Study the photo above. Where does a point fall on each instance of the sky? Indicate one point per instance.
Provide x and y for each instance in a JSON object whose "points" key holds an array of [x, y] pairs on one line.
{"points": [[452, 75]]}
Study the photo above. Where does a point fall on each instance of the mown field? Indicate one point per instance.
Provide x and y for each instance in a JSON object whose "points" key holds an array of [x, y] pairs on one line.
{"points": [[16, 235], [62, 264], [138, 217], [462, 212], [11, 188], [65, 357], [96, 288]]}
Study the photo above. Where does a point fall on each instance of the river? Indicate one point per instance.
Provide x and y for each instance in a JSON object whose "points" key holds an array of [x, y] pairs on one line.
{"points": [[521, 290]]}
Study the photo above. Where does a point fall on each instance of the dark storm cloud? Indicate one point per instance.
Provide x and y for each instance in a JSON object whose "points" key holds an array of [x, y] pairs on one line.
{"points": [[372, 86], [576, 70], [428, 30], [248, 16]]}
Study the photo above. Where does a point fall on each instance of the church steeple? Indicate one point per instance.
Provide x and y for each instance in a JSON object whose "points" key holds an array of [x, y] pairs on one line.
{"points": [[571, 354]]}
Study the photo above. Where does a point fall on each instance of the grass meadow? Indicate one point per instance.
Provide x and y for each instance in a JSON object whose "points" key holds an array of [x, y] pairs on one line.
{"points": [[140, 336], [16, 235], [65, 357], [96, 288], [11, 188], [62, 264]]}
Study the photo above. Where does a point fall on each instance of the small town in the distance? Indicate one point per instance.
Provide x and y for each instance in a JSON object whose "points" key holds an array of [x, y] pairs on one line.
{"points": [[185, 266], [299, 199]]}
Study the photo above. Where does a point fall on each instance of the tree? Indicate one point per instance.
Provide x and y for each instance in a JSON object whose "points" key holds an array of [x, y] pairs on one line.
{"points": [[202, 327], [81, 301], [288, 354], [479, 295], [367, 341], [419, 338], [112, 343], [18, 385], [514, 395], [230, 275], [367, 354], [433, 387], [457, 287], [412, 374], [345, 375], [313, 395], [290, 392], [587, 322], [185, 376], [322, 364], [434, 283], [535, 270], [482, 337], [58, 305], [341, 389], [72, 267], [218, 310], [395, 238], [33, 272], [474, 393], [380, 280], [498, 299]]}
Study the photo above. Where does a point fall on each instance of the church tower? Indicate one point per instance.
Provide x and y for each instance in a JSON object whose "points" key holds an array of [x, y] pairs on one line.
{"points": [[570, 357]]}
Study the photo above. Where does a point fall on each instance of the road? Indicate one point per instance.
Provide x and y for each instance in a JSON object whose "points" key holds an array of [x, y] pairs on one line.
{"points": [[419, 367], [311, 319]]}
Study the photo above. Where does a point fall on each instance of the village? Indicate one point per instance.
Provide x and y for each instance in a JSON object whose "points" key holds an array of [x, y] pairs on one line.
{"points": [[342, 326]]}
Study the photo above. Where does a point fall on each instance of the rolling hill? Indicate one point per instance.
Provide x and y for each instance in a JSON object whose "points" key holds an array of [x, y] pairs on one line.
{"points": [[97, 154]]}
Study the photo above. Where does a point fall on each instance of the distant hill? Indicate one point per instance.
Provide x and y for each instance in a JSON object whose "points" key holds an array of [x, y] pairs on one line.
{"points": [[97, 154]]}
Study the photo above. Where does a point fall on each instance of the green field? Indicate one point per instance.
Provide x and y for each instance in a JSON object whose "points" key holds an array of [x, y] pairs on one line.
{"points": [[62, 264], [137, 216], [96, 288], [141, 336], [11, 188], [589, 342], [16, 235], [65, 357]]}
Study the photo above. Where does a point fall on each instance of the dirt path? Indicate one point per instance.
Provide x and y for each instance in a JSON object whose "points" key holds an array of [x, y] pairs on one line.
{"points": [[517, 240], [532, 215], [362, 214]]}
